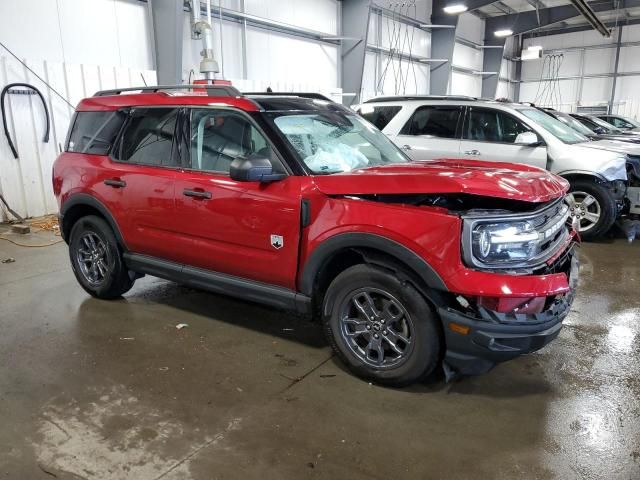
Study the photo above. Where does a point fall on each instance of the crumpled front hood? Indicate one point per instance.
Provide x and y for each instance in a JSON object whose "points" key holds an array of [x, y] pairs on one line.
{"points": [[491, 179], [614, 146]]}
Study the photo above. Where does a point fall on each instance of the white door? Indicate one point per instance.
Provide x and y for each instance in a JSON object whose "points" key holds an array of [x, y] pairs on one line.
{"points": [[489, 134], [432, 132]]}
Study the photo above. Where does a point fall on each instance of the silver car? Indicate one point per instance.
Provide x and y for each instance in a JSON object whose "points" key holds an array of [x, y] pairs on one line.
{"points": [[428, 128]]}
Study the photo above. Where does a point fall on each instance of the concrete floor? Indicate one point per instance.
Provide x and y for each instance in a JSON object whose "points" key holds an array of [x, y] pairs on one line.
{"points": [[112, 390]]}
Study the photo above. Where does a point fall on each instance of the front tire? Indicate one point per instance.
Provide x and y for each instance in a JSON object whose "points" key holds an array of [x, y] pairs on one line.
{"points": [[594, 205], [381, 327], [96, 259]]}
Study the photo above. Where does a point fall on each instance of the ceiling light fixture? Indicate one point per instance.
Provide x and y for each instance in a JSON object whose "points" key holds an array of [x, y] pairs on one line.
{"points": [[455, 8], [503, 33]]}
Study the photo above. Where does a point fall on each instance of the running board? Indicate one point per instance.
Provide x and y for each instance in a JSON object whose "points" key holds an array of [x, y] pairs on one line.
{"points": [[216, 282]]}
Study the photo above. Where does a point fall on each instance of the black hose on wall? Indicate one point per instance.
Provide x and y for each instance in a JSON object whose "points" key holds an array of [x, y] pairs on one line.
{"points": [[4, 115]]}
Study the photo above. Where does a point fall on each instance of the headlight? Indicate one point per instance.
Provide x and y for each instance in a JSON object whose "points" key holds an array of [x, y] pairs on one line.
{"points": [[504, 243], [515, 241]]}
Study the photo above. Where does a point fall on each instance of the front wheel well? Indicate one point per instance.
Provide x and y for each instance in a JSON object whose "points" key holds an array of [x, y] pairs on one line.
{"points": [[350, 256], [572, 177]]}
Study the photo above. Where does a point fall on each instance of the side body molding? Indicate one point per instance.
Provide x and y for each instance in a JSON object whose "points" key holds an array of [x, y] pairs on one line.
{"points": [[357, 241]]}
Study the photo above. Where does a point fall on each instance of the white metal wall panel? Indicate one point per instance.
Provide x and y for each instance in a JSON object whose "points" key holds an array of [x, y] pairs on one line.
{"points": [[507, 69], [627, 89], [568, 40], [280, 58], [629, 60], [26, 182], [505, 90], [601, 60], [463, 84], [320, 15], [414, 80], [410, 38], [564, 97], [471, 28], [596, 90], [631, 33], [570, 66], [467, 57], [113, 32]]}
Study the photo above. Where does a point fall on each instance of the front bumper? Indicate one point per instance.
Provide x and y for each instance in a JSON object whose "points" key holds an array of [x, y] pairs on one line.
{"points": [[493, 337]]}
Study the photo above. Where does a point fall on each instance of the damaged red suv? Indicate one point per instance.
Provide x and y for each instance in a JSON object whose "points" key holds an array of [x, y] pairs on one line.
{"points": [[301, 204]]}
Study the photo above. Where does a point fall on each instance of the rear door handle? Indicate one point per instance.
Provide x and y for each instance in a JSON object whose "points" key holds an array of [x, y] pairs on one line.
{"points": [[197, 194], [115, 183], [475, 153]]}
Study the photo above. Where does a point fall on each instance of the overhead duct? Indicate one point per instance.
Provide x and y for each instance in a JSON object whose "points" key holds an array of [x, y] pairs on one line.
{"points": [[587, 12], [201, 30]]}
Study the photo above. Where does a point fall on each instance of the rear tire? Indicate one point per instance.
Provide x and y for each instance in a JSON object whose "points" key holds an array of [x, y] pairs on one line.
{"points": [[590, 200], [381, 327], [96, 259]]}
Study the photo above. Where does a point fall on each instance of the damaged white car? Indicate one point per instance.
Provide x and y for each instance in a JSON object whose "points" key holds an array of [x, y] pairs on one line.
{"points": [[604, 175]]}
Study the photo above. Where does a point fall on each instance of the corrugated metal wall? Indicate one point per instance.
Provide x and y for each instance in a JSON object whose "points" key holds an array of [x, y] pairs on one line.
{"points": [[26, 182]]}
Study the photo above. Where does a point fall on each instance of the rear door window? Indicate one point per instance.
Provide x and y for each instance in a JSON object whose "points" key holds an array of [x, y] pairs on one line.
{"points": [[380, 116], [434, 121], [95, 132], [148, 137], [488, 125]]}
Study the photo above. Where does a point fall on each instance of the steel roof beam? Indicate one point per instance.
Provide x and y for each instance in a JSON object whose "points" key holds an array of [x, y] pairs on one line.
{"points": [[524, 22]]}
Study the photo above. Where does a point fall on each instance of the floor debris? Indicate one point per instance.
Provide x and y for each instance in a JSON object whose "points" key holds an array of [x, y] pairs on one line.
{"points": [[180, 326], [9, 260]]}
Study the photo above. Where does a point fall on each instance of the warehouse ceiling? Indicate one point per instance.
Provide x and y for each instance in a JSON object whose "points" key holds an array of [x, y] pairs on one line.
{"points": [[610, 12]]}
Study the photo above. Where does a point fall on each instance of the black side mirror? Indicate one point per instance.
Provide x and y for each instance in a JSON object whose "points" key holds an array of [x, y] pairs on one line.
{"points": [[600, 130], [254, 168]]}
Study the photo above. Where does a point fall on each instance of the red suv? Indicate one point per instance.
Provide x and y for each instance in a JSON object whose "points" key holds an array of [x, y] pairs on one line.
{"points": [[301, 204]]}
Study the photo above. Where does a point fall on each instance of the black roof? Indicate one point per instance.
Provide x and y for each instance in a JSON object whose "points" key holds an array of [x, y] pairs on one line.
{"points": [[313, 95], [272, 103]]}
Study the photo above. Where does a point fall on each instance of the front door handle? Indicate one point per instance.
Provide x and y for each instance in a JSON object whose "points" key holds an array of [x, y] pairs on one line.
{"points": [[115, 183], [197, 194], [406, 147], [475, 153]]}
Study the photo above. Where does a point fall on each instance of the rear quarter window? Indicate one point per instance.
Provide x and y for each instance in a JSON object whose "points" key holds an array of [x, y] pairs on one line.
{"points": [[94, 132], [380, 116]]}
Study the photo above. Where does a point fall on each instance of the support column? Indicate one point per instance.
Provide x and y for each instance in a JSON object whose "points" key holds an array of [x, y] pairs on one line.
{"points": [[168, 20], [443, 41], [491, 62], [355, 24], [615, 71], [518, 79]]}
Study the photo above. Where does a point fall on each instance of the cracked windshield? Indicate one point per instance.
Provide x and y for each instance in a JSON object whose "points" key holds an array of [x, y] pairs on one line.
{"points": [[334, 143]]}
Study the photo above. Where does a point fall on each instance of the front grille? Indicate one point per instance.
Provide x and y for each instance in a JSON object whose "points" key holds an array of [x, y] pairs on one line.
{"points": [[551, 225]]}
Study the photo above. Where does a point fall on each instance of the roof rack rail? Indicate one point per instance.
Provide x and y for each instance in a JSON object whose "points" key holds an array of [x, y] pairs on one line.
{"points": [[312, 95], [212, 90], [420, 97]]}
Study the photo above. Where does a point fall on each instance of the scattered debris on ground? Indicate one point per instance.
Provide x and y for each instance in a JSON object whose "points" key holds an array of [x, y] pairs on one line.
{"points": [[9, 260], [180, 326]]}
